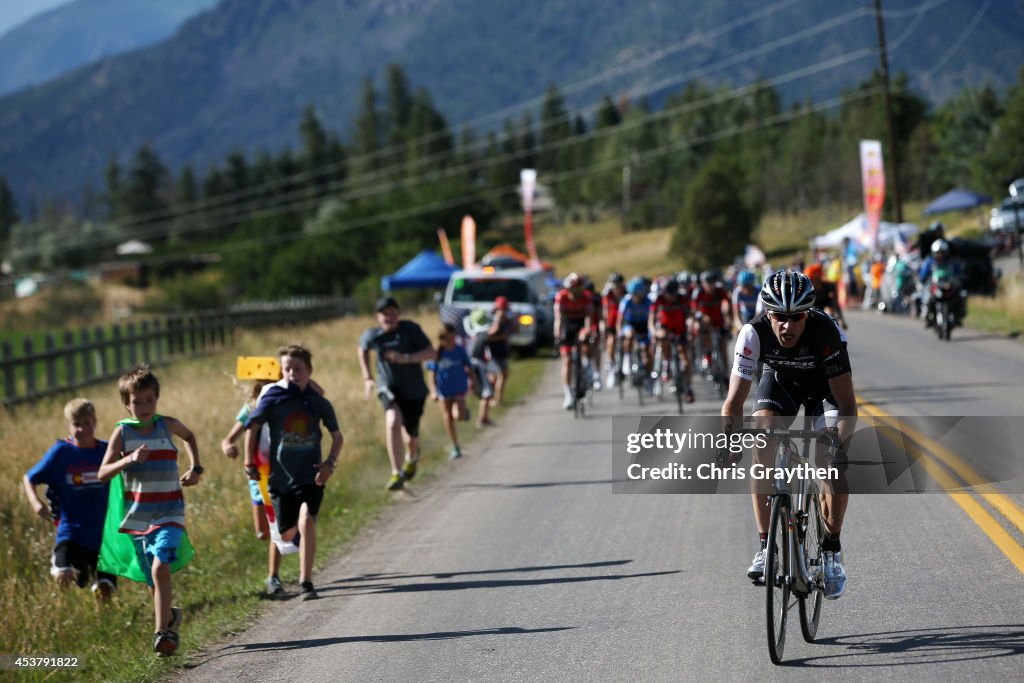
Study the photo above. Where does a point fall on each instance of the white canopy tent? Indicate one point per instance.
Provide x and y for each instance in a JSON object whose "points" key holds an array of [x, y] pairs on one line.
{"points": [[857, 230]]}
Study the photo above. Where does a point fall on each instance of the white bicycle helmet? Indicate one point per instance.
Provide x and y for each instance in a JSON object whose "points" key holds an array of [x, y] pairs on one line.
{"points": [[787, 292]]}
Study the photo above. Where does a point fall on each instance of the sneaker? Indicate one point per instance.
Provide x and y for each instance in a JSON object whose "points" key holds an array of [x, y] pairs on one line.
{"points": [[597, 383], [175, 624], [610, 383], [834, 574], [468, 415], [455, 453], [165, 643], [307, 591], [409, 469], [690, 398], [486, 422], [274, 586], [567, 403], [756, 570], [396, 482]]}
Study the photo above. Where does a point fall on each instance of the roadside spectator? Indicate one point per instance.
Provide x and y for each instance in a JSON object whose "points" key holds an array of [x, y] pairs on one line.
{"points": [[401, 346], [477, 326], [502, 329], [293, 412], [69, 469], [141, 448], [450, 374]]}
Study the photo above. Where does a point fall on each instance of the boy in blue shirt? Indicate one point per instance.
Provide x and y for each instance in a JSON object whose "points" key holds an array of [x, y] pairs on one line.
{"points": [[452, 378], [69, 470], [294, 411]]}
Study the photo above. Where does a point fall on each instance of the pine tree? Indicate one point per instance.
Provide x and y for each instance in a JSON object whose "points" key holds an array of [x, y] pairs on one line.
{"points": [[8, 212]]}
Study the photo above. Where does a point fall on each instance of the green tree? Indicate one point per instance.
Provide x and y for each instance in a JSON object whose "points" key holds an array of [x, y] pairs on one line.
{"points": [[1003, 158], [142, 191], [8, 213], [366, 134], [959, 129], [714, 223], [112, 193]]}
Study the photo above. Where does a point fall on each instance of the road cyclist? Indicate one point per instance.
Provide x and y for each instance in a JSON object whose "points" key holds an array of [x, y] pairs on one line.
{"points": [[573, 310]]}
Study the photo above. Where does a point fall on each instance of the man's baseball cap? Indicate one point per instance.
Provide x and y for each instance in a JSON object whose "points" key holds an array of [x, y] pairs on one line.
{"points": [[501, 302], [385, 302]]}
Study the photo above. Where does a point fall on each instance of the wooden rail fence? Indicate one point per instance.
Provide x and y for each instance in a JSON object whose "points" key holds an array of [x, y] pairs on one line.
{"points": [[71, 359]]}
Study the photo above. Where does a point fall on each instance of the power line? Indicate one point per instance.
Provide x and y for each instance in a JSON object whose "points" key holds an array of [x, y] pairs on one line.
{"points": [[308, 202], [212, 202]]}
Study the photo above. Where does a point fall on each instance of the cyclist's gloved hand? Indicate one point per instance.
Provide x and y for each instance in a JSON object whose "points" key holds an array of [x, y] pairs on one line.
{"points": [[726, 458]]}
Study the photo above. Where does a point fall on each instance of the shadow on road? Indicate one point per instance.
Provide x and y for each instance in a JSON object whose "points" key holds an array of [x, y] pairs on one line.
{"points": [[926, 393], [920, 646], [387, 638], [375, 589], [510, 570], [529, 485]]}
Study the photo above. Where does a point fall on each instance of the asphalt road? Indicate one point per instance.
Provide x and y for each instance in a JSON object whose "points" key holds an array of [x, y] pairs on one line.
{"points": [[520, 563]]}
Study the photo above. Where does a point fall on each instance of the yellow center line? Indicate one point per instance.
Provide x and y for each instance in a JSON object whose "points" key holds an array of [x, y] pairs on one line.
{"points": [[924, 446]]}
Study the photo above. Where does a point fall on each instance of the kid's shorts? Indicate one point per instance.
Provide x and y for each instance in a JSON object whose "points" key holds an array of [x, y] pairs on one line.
{"points": [[161, 544], [70, 555], [287, 505]]}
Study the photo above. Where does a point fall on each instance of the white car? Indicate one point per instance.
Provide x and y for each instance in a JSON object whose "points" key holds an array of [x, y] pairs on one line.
{"points": [[529, 297]]}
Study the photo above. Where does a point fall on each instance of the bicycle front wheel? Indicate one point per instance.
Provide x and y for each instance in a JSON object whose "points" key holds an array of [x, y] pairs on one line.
{"points": [[813, 533], [776, 578]]}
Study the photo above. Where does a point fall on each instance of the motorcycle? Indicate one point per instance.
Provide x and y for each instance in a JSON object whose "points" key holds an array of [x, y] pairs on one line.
{"points": [[948, 301]]}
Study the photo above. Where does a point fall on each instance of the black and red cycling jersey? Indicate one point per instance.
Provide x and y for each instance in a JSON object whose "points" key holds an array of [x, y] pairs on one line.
{"points": [[710, 304], [610, 303], [671, 315], [574, 308]]}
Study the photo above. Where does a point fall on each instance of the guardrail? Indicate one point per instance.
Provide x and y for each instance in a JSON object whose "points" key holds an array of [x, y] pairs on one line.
{"points": [[62, 361]]}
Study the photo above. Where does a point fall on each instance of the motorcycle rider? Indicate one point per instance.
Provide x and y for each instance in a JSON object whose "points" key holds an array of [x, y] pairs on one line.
{"points": [[940, 265]]}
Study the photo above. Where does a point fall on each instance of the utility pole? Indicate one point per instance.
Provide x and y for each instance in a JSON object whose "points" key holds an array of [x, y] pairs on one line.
{"points": [[896, 199]]}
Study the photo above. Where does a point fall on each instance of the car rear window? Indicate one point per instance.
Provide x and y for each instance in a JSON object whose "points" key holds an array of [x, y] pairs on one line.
{"points": [[469, 289]]}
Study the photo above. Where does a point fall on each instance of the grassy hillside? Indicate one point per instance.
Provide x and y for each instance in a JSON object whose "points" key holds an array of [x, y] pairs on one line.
{"points": [[223, 588]]}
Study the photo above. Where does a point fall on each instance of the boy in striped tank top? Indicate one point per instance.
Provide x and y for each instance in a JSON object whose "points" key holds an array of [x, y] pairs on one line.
{"points": [[142, 448]]}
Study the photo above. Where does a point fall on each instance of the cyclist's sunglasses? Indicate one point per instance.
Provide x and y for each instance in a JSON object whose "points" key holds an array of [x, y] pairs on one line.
{"points": [[788, 317]]}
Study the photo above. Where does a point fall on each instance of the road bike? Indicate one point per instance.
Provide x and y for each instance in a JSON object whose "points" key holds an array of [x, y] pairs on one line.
{"points": [[577, 379], [676, 378], [793, 558]]}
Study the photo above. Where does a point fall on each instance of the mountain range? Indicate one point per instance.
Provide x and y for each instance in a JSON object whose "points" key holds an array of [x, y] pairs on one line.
{"points": [[83, 31], [239, 76]]}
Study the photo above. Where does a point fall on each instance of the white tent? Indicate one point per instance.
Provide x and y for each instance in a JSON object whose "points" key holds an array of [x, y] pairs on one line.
{"points": [[857, 231]]}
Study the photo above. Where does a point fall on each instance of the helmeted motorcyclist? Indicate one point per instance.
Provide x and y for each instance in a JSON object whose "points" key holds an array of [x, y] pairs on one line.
{"points": [[940, 265]]}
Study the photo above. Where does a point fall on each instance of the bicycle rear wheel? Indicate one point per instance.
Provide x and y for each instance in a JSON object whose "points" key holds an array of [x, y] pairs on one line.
{"points": [[813, 533], [578, 383], [776, 579], [678, 383]]}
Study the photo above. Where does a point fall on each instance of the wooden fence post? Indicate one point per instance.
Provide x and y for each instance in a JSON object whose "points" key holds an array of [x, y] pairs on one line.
{"points": [[8, 363], [115, 340], [145, 341], [131, 339], [99, 355], [158, 339], [70, 358], [50, 346], [30, 367]]}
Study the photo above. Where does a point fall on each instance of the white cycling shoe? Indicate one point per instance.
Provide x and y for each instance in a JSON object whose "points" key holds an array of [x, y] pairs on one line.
{"points": [[834, 574]]}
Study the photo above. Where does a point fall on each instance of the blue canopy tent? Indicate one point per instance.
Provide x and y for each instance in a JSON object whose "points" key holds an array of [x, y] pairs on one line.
{"points": [[426, 270], [957, 199]]}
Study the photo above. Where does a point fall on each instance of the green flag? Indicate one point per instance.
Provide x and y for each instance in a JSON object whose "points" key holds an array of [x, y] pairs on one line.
{"points": [[117, 552]]}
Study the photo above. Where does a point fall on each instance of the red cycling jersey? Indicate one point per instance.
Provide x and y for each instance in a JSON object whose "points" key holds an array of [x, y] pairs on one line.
{"points": [[671, 315], [575, 309], [611, 306], [710, 304]]}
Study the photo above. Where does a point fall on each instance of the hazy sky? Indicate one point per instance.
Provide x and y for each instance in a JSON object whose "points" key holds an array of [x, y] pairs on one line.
{"points": [[13, 12]]}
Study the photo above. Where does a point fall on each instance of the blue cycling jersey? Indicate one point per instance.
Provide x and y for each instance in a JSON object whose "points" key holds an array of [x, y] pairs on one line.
{"points": [[634, 313]]}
